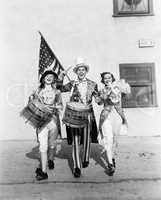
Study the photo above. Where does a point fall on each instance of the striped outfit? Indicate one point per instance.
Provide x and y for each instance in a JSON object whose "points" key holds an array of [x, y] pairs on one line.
{"points": [[83, 90]]}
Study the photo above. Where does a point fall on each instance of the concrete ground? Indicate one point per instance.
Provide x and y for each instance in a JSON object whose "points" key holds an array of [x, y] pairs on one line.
{"points": [[137, 177]]}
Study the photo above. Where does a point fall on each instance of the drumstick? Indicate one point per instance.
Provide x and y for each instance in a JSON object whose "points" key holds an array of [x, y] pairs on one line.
{"points": [[68, 68]]}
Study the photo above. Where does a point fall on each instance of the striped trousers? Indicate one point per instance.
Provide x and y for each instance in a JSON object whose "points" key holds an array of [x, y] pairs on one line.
{"points": [[79, 134]]}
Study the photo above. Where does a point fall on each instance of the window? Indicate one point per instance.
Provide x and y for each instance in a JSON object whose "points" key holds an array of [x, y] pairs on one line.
{"points": [[141, 78], [132, 8]]}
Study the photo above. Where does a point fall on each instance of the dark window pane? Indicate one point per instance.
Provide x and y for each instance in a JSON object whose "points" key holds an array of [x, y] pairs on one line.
{"points": [[141, 77], [140, 97], [137, 74]]}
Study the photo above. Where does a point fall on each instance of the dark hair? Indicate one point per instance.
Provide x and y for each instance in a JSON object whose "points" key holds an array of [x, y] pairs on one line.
{"points": [[103, 75], [42, 83]]}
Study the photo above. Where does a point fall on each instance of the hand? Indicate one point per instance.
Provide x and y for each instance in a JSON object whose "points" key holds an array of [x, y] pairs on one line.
{"points": [[62, 74], [30, 98], [34, 96], [122, 81], [59, 107], [97, 99], [48, 108], [102, 137]]}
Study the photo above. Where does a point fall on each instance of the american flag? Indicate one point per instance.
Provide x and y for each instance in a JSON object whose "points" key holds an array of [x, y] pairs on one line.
{"points": [[47, 58]]}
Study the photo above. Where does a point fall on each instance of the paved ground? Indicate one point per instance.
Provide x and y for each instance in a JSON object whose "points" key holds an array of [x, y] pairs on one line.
{"points": [[138, 174]]}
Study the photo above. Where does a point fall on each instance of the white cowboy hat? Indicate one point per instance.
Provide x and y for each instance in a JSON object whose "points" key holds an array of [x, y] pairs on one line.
{"points": [[80, 62]]}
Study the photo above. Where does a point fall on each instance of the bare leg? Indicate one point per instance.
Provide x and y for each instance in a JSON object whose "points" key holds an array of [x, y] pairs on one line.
{"points": [[44, 161], [52, 137], [43, 139]]}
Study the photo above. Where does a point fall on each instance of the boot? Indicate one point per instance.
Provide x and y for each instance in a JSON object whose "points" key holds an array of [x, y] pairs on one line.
{"points": [[40, 175]]}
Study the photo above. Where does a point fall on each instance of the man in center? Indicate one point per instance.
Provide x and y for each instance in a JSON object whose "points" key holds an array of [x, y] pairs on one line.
{"points": [[82, 90]]}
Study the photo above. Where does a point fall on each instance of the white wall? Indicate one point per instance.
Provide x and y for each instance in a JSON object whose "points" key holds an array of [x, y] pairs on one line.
{"points": [[72, 28]]}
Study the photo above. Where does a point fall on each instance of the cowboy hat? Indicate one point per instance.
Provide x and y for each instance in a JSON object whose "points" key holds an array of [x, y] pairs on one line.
{"points": [[80, 62]]}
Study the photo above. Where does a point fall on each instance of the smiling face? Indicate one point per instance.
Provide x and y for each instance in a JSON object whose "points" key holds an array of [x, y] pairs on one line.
{"points": [[107, 79], [49, 79], [81, 72]]}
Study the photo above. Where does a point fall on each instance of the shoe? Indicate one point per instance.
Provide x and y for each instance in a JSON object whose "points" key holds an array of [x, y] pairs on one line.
{"points": [[77, 172], [114, 162], [51, 164], [85, 164], [40, 175], [111, 169]]}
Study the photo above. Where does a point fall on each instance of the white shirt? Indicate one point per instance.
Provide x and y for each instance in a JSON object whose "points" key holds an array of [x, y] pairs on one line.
{"points": [[48, 95]]}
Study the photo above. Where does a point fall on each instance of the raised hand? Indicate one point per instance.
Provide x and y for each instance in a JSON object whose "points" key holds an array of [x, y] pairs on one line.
{"points": [[62, 74]]}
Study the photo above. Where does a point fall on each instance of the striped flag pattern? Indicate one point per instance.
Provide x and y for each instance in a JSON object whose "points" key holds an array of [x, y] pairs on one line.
{"points": [[48, 58]]}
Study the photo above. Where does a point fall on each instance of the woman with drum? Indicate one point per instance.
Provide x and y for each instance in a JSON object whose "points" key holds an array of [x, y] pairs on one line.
{"points": [[79, 117], [50, 103], [112, 115]]}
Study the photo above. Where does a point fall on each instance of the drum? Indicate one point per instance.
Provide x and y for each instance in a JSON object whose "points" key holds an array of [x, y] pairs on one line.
{"points": [[36, 114], [76, 114]]}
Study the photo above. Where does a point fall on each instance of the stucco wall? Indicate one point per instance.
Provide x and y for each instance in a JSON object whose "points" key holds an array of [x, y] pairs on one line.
{"points": [[72, 28]]}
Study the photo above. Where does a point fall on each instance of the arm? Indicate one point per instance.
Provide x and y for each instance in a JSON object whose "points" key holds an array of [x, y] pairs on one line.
{"points": [[114, 98], [98, 96], [115, 94], [36, 95], [58, 101], [95, 92], [108, 97], [63, 88], [99, 100]]}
